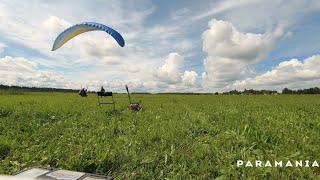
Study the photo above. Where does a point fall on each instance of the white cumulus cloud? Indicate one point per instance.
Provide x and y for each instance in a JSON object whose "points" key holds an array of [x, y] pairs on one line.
{"points": [[22, 72], [55, 25], [292, 73], [170, 71], [231, 52], [189, 78], [170, 77]]}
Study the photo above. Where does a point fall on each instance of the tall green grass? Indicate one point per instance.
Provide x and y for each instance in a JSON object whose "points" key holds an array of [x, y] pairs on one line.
{"points": [[174, 136]]}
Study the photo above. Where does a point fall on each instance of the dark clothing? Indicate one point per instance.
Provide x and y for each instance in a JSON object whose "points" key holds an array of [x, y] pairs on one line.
{"points": [[102, 89], [83, 92]]}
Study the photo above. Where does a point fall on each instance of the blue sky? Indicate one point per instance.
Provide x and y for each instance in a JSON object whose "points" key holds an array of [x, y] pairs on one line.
{"points": [[180, 46]]}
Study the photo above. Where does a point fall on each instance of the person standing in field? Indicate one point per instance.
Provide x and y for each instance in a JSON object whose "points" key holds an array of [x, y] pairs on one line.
{"points": [[83, 92], [102, 89]]}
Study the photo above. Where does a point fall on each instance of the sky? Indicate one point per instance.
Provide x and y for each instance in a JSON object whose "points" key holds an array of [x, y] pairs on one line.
{"points": [[171, 46]]}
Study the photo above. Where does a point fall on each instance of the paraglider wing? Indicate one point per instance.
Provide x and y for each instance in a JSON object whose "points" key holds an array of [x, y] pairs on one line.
{"points": [[77, 29]]}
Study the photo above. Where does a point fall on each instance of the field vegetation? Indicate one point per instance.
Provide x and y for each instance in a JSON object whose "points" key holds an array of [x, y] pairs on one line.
{"points": [[173, 136]]}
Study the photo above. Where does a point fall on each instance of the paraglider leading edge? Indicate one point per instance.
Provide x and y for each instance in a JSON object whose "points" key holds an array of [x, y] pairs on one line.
{"points": [[80, 28]]}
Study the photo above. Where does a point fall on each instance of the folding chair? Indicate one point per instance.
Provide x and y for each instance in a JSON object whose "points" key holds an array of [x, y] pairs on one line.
{"points": [[105, 94]]}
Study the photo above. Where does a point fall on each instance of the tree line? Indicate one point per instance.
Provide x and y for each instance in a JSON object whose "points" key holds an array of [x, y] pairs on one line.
{"points": [[314, 90], [250, 92], [35, 89]]}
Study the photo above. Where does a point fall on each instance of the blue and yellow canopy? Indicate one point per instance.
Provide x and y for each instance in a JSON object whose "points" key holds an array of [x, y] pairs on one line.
{"points": [[77, 29]]}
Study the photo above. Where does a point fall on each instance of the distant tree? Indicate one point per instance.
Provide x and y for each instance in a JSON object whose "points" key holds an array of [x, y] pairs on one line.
{"points": [[234, 92], [287, 91]]}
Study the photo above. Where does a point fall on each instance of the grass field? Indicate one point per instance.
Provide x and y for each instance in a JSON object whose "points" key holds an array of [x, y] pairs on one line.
{"points": [[174, 136]]}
